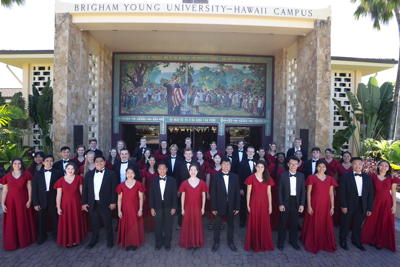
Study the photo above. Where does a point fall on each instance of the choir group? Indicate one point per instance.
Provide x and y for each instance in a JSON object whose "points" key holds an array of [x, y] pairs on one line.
{"points": [[268, 190]]}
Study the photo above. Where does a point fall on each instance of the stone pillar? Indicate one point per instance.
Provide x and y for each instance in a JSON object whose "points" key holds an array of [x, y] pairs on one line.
{"points": [[73, 78], [313, 84]]}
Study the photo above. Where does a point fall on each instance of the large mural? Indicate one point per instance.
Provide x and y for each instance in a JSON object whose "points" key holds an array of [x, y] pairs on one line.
{"points": [[176, 88]]}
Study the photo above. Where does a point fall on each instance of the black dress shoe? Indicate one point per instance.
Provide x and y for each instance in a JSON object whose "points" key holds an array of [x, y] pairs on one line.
{"points": [[359, 246], [167, 247], [91, 244], [295, 245], [378, 247], [280, 246], [110, 244], [344, 246], [232, 247], [158, 247], [40, 241], [215, 247]]}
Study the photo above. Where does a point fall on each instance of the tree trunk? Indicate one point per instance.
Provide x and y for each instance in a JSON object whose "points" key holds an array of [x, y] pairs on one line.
{"points": [[394, 131]]}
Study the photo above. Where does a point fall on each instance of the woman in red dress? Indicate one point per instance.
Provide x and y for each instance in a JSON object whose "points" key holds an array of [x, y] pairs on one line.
{"points": [[130, 212], [209, 155], [379, 228], [113, 157], [80, 156], [204, 165], [211, 171], [332, 163], [142, 163], [37, 163], [71, 227], [259, 206], [148, 175], [18, 226], [271, 154], [318, 233], [343, 167], [193, 201], [275, 169], [162, 153]]}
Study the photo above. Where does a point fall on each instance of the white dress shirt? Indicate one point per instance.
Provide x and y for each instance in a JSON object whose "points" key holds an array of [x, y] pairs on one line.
{"points": [[97, 181], [359, 183], [251, 164], [122, 171], [162, 187], [293, 181], [173, 160], [65, 163], [47, 177], [313, 165], [240, 153], [188, 164], [226, 181]]}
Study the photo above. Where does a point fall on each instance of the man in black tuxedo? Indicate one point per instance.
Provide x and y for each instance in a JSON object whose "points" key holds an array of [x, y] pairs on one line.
{"points": [[65, 152], [121, 166], [44, 197], [291, 195], [229, 153], [183, 174], [99, 198], [163, 203], [356, 202], [310, 166], [296, 146], [225, 195], [246, 168], [240, 154], [172, 161], [93, 147], [139, 151]]}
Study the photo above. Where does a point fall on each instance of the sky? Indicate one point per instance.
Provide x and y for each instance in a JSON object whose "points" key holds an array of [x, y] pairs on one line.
{"points": [[31, 26]]}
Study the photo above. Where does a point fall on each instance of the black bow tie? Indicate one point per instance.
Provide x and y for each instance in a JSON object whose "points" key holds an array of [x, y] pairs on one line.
{"points": [[251, 160], [358, 174], [100, 171], [188, 162], [173, 157], [314, 160], [49, 170], [163, 179], [65, 161], [226, 176], [292, 176], [124, 162], [240, 151]]}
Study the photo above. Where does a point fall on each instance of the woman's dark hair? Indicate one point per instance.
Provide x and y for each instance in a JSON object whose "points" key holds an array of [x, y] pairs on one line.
{"points": [[344, 153], [73, 165], [319, 162], [266, 176], [194, 165], [117, 157], [216, 154], [148, 163], [10, 169], [37, 153], [389, 172], [277, 163], [144, 152], [132, 169]]}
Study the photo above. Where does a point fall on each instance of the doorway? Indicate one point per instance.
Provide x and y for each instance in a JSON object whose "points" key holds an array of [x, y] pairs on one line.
{"points": [[201, 136], [251, 135], [131, 134]]}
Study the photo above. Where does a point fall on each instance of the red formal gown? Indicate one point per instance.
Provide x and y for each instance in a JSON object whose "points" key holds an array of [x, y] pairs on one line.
{"points": [[332, 167], [270, 159], [71, 227], [274, 218], [160, 156], [148, 219], [18, 226], [130, 226], [259, 233], [204, 169], [78, 163], [318, 233], [192, 234], [301, 167], [379, 229]]}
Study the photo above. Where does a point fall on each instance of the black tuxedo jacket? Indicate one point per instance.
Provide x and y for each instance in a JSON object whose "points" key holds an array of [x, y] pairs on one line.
{"points": [[39, 193], [170, 194], [236, 155], [349, 195], [290, 153], [60, 166], [308, 168], [138, 153], [284, 189], [220, 199], [107, 193], [131, 164], [245, 171], [234, 162], [167, 162]]}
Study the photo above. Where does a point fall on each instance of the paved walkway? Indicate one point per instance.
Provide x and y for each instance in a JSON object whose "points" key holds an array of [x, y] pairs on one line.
{"points": [[49, 254]]}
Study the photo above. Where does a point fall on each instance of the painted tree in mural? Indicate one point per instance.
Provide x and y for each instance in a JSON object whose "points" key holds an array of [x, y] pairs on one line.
{"points": [[136, 71], [9, 3], [185, 71], [382, 11]]}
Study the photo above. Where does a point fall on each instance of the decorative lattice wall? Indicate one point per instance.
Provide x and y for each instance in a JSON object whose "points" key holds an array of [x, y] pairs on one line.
{"points": [[93, 94], [342, 82], [291, 95], [40, 74]]}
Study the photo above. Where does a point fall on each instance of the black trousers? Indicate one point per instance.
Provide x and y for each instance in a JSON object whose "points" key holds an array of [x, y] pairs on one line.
{"points": [[292, 213], [179, 211], [163, 225], [217, 226], [43, 214], [98, 214], [243, 209], [355, 218]]}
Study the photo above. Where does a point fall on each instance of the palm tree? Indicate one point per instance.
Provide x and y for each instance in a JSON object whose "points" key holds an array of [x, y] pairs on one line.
{"points": [[9, 3], [382, 11]]}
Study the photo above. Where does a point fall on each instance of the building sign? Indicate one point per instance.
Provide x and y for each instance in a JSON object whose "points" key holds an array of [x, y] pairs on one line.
{"points": [[189, 8]]}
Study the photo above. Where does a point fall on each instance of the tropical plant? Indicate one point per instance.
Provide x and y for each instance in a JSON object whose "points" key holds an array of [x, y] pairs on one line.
{"points": [[5, 113], [382, 11], [368, 118], [41, 113], [12, 151], [9, 3], [384, 149]]}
